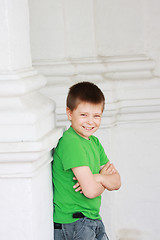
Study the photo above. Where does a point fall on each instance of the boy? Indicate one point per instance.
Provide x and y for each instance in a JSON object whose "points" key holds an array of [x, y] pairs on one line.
{"points": [[81, 169]]}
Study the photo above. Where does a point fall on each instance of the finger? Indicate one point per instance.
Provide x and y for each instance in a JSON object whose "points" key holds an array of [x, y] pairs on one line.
{"points": [[109, 168], [113, 171], [78, 189], [74, 178], [76, 185], [105, 168], [107, 165], [110, 171], [113, 167]]}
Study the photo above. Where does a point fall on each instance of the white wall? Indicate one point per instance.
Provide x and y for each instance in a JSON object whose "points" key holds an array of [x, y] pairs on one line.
{"points": [[134, 209], [116, 45]]}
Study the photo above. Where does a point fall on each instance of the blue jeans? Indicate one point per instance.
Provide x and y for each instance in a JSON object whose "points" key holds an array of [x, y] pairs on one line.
{"points": [[83, 229]]}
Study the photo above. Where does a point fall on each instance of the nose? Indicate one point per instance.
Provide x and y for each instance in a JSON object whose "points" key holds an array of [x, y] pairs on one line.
{"points": [[90, 120]]}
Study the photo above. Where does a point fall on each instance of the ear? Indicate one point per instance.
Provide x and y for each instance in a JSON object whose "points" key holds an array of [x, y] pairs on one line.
{"points": [[69, 113]]}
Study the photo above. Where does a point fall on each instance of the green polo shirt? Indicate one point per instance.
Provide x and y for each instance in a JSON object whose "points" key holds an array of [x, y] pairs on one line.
{"points": [[74, 151]]}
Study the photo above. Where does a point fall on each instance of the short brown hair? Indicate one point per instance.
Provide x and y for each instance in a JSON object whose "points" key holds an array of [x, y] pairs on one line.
{"points": [[85, 92]]}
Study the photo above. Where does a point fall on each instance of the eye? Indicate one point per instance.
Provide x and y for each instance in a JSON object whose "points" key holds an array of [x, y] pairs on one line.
{"points": [[97, 116], [83, 114]]}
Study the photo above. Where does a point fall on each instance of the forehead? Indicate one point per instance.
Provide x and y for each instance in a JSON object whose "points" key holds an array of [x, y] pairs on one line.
{"points": [[87, 107]]}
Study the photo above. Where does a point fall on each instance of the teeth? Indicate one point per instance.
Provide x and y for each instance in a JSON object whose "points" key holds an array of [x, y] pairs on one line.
{"points": [[88, 128]]}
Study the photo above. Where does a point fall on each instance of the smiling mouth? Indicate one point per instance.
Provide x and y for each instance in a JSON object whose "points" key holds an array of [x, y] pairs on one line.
{"points": [[88, 128]]}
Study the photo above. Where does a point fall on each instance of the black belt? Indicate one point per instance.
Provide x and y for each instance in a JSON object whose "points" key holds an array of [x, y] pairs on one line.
{"points": [[78, 215], [75, 215]]}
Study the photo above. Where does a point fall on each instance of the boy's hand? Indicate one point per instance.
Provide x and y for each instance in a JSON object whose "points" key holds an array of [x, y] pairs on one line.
{"points": [[108, 168], [87, 183], [110, 177], [77, 186]]}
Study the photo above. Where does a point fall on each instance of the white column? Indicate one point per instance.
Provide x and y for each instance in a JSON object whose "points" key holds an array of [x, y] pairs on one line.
{"points": [[27, 133]]}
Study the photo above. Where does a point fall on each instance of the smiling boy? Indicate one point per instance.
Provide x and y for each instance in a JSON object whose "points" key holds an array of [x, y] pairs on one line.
{"points": [[81, 169]]}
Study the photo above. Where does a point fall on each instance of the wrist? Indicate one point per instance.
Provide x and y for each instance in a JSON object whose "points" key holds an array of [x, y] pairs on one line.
{"points": [[103, 179], [100, 176]]}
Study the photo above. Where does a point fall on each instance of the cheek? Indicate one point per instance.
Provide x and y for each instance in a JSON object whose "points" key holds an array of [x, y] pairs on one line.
{"points": [[81, 121], [78, 121], [98, 122]]}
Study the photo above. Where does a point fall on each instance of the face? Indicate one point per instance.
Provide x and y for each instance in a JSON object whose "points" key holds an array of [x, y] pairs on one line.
{"points": [[86, 118]]}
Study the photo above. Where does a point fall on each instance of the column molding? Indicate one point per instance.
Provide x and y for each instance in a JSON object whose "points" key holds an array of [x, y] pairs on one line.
{"points": [[131, 90], [95, 69], [17, 83], [28, 158]]}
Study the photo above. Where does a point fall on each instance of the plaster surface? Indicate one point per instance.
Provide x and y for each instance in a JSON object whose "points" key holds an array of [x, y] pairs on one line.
{"points": [[133, 210], [114, 44]]}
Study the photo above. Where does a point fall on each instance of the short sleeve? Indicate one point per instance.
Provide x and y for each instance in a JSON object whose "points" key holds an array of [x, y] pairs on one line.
{"points": [[103, 157], [72, 154]]}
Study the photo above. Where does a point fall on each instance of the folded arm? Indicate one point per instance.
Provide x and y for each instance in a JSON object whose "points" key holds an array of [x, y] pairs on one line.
{"points": [[109, 177], [93, 185], [109, 182], [87, 182]]}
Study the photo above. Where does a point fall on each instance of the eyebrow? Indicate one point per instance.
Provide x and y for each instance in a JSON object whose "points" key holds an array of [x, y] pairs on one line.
{"points": [[94, 113]]}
